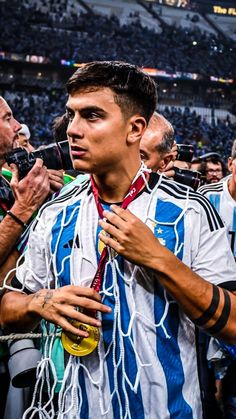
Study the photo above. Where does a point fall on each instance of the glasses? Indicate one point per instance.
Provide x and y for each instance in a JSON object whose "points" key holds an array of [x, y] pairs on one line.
{"points": [[211, 171]]}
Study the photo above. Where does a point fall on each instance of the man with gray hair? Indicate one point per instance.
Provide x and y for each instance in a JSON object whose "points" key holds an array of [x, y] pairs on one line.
{"points": [[157, 142]]}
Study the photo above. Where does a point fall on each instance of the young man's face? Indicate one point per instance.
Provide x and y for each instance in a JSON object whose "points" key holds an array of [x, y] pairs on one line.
{"points": [[214, 172], [8, 128], [97, 131]]}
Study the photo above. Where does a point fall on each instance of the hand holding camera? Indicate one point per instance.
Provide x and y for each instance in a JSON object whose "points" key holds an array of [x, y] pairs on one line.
{"points": [[30, 192], [183, 153], [36, 181], [55, 156]]}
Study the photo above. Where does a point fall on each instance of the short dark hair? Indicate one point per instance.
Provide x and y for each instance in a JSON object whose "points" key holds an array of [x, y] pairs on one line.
{"points": [[135, 91], [214, 160], [59, 128]]}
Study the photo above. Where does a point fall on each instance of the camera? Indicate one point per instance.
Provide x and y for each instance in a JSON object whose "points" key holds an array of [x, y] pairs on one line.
{"points": [[187, 177], [23, 361], [55, 156], [185, 152]]}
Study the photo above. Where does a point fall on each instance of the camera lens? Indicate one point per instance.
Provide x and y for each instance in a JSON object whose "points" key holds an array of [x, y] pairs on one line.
{"points": [[185, 152]]}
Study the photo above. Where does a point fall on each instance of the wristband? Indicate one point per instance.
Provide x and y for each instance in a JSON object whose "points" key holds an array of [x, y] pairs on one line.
{"points": [[16, 219]]}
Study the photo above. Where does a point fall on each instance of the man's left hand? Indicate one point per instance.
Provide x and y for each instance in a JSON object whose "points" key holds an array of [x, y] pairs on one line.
{"points": [[129, 236], [56, 179]]}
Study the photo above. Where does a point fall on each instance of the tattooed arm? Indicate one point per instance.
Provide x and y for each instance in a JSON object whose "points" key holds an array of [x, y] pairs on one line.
{"points": [[23, 312]]}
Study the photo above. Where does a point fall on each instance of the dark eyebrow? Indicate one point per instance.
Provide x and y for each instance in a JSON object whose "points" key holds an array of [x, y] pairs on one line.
{"points": [[92, 108]]}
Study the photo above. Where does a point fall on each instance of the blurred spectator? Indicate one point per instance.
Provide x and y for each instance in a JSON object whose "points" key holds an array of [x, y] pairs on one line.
{"points": [[23, 138], [213, 169], [59, 128]]}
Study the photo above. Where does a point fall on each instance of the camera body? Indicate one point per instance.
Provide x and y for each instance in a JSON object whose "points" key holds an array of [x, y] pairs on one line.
{"points": [[55, 156], [185, 152], [187, 177], [23, 362]]}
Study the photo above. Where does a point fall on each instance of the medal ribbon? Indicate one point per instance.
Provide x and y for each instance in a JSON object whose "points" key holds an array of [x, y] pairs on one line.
{"points": [[133, 191], [81, 347]]}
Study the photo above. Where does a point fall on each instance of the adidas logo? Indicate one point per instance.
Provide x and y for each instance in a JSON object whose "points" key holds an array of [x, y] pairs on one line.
{"points": [[71, 243]]}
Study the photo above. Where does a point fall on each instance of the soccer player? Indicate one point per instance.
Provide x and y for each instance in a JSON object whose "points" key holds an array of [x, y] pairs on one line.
{"points": [[126, 286], [223, 196]]}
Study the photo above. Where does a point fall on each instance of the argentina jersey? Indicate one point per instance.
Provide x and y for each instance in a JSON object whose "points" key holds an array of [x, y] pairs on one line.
{"points": [[146, 365], [218, 194]]}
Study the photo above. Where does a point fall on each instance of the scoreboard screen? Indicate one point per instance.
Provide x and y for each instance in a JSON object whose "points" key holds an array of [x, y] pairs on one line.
{"points": [[226, 8], [175, 3]]}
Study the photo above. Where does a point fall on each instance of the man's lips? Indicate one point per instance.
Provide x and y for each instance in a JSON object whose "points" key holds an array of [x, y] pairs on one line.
{"points": [[77, 152]]}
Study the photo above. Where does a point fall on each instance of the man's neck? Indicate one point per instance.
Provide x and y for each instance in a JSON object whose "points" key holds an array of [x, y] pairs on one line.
{"points": [[113, 186]]}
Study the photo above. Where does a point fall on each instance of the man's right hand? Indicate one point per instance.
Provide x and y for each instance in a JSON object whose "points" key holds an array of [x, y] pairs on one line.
{"points": [[31, 191], [57, 306]]}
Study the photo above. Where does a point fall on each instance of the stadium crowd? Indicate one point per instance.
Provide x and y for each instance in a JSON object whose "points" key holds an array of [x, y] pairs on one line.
{"points": [[88, 36], [74, 36], [39, 111]]}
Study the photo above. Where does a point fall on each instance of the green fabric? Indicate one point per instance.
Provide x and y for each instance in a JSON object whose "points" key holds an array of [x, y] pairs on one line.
{"points": [[7, 174], [67, 178], [58, 360], [57, 355]]}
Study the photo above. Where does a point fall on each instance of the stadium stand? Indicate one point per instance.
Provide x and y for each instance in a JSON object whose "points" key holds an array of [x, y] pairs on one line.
{"points": [[42, 41]]}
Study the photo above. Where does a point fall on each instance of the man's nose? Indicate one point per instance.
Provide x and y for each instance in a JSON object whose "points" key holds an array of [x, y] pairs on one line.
{"points": [[16, 126], [75, 129]]}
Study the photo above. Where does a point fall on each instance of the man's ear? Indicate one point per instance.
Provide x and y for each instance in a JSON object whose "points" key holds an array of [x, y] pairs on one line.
{"points": [[137, 126], [165, 161], [230, 163]]}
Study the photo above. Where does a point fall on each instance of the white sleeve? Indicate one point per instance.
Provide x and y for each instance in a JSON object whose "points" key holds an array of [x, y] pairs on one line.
{"points": [[211, 255], [35, 272]]}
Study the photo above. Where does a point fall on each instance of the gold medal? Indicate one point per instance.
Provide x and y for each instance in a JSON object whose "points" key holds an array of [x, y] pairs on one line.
{"points": [[80, 346]]}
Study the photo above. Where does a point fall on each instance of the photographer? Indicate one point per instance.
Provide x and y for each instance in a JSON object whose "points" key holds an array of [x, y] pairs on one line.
{"points": [[160, 153], [20, 198], [18, 202]]}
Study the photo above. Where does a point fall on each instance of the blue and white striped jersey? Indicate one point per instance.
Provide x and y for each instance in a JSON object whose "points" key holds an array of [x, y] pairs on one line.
{"points": [[146, 365], [218, 194]]}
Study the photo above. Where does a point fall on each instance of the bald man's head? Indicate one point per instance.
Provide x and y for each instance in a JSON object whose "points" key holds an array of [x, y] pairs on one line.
{"points": [[9, 128], [157, 142]]}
